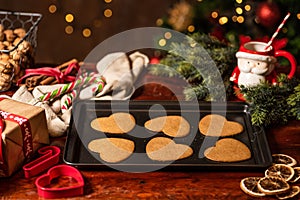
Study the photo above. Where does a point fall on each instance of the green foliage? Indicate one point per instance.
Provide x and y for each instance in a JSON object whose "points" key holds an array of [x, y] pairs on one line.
{"points": [[198, 66], [294, 102], [272, 104]]}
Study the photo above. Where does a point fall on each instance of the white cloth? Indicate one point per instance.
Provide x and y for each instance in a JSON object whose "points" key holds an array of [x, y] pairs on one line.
{"points": [[120, 72]]}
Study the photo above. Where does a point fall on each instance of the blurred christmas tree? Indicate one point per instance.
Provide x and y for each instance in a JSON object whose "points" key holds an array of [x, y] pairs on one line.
{"points": [[229, 19]]}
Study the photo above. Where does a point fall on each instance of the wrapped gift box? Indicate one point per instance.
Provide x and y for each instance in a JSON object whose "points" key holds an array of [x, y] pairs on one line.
{"points": [[24, 131]]}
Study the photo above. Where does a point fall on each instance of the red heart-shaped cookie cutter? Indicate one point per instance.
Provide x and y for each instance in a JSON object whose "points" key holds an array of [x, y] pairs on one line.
{"points": [[43, 182]]}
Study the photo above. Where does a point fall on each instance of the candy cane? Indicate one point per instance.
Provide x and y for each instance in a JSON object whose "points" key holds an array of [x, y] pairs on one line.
{"points": [[67, 88], [278, 29], [68, 101]]}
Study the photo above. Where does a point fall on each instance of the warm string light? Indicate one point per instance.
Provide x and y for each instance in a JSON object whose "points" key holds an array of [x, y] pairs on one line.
{"points": [[69, 18]]}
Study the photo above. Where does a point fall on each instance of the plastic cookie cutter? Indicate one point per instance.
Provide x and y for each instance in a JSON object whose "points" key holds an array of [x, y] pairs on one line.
{"points": [[43, 183], [50, 157]]}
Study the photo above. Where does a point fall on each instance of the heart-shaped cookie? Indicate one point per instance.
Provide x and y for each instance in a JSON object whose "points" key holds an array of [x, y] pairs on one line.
{"points": [[116, 123], [43, 182], [172, 125], [228, 150], [165, 149], [112, 150], [217, 125]]}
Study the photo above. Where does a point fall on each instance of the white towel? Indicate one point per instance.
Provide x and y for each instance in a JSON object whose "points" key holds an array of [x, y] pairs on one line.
{"points": [[120, 72]]}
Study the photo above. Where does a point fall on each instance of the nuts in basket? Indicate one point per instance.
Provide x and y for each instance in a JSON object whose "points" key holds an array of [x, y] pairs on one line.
{"points": [[17, 57]]}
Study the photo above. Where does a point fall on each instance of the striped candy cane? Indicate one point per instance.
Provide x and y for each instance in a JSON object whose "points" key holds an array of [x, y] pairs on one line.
{"points": [[278, 29], [67, 88]]}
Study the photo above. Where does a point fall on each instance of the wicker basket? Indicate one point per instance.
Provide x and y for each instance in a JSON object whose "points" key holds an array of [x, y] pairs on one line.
{"points": [[28, 21], [17, 55]]}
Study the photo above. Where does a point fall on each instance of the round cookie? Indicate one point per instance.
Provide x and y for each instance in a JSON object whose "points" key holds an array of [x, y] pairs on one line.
{"points": [[217, 125], [117, 123]]}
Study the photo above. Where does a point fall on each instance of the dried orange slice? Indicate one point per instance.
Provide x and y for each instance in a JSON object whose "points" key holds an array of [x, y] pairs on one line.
{"points": [[272, 185], [296, 176], [280, 170], [284, 159], [249, 186], [292, 192]]}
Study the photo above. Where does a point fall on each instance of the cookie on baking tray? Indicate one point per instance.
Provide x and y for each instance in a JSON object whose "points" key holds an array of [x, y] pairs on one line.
{"points": [[165, 149], [116, 123], [228, 150], [172, 125], [217, 125], [112, 150]]}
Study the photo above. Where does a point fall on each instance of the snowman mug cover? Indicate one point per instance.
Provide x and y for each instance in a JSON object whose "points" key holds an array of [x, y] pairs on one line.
{"points": [[256, 63]]}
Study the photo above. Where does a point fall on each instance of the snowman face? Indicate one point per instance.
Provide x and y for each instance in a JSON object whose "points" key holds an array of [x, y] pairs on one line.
{"points": [[259, 67]]}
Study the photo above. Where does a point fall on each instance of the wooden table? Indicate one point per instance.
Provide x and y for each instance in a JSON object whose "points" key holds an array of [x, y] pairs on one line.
{"points": [[163, 184]]}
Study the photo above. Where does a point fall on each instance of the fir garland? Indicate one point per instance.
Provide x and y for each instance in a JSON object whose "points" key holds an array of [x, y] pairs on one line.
{"points": [[274, 104]]}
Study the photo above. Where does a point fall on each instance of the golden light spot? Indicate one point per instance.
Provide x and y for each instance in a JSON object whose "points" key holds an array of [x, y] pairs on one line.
{"points": [[162, 42], [107, 13], [247, 7], [214, 14], [223, 20], [69, 18], [86, 32], [168, 35], [239, 1], [240, 19], [298, 15], [191, 28], [108, 1], [234, 18], [239, 10], [52, 8], [69, 29], [159, 22]]}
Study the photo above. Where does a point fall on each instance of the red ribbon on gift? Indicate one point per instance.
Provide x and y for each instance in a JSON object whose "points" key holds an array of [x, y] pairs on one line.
{"points": [[61, 77], [25, 127]]}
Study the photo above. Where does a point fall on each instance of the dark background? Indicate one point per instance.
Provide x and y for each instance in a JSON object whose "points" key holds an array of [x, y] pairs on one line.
{"points": [[55, 46]]}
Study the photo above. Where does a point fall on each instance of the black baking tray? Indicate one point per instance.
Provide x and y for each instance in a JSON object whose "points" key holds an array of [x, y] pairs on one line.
{"points": [[80, 134]]}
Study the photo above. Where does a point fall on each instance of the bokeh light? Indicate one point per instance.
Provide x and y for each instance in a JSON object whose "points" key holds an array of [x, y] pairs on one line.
{"points": [[162, 42], [69, 18], [214, 14], [108, 13], [223, 20], [52, 8], [69, 30], [86, 32]]}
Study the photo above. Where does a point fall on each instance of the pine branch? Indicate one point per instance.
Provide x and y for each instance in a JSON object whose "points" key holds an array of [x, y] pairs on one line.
{"points": [[197, 65], [269, 103]]}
